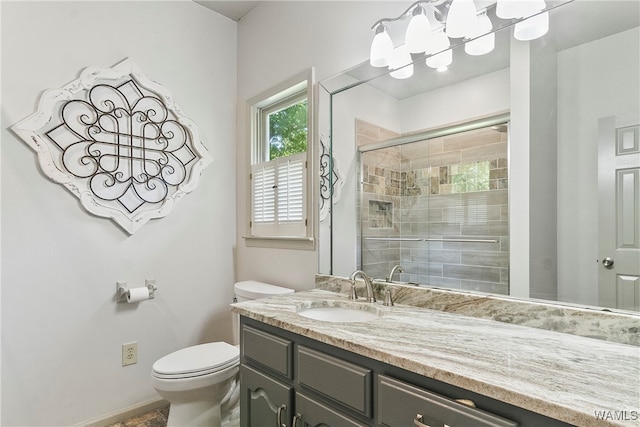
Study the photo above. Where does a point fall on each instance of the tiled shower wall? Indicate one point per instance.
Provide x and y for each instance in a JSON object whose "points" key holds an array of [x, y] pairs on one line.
{"points": [[453, 187]]}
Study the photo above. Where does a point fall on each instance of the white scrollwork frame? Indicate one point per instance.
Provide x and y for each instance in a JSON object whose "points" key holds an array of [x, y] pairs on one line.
{"points": [[117, 141], [331, 179]]}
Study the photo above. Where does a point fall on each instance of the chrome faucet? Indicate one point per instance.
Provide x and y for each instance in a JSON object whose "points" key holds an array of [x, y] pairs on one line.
{"points": [[367, 282], [396, 268]]}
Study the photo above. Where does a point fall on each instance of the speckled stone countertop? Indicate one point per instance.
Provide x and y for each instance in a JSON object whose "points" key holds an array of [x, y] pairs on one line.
{"points": [[562, 376]]}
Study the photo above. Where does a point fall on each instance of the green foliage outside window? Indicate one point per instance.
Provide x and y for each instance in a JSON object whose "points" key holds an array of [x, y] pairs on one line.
{"points": [[288, 131], [470, 177]]}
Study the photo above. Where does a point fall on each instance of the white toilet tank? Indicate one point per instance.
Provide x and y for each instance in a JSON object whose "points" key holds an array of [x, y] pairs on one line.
{"points": [[251, 290]]}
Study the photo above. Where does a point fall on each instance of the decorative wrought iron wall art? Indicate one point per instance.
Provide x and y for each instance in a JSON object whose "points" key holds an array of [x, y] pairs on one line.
{"points": [[331, 181], [118, 142]]}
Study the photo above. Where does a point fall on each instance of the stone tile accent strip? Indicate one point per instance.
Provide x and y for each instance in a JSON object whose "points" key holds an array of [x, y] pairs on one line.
{"points": [[593, 322]]}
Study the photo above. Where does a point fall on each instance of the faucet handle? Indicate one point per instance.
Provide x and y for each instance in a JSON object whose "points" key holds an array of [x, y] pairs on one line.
{"points": [[388, 301], [354, 294]]}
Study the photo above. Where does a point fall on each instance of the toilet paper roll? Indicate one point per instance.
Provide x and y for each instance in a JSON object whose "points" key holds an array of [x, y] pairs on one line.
{"points": [[137, 294]]}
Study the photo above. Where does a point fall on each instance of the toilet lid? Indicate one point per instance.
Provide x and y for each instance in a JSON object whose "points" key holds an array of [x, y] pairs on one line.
{"points": [[198, 359], [254, 290]]}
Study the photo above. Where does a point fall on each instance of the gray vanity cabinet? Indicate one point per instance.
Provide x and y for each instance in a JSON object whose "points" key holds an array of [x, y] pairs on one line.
{"points": [[266, 372], [264, 400], [284, 384], [404, 405], [337, 380], [289, 380], [312, 413]]}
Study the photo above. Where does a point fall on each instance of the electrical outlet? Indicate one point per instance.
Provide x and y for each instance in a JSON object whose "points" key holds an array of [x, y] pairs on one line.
{"points": [[129, 353]]}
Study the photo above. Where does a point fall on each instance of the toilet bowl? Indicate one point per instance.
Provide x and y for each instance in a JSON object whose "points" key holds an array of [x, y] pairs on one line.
{"points": [[201, 382], [197, 381]]}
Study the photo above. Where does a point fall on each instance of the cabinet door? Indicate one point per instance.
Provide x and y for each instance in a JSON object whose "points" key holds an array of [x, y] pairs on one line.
{"points": [[264, 402], [343, 382], [404, 405], [267, 350], [311, 413]]}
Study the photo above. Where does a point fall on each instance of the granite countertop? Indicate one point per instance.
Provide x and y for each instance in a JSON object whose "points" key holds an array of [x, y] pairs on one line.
{"points": [[562, 376]]}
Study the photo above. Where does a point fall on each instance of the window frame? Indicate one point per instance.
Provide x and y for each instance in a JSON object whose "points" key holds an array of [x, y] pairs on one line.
{"points": [[259, 107]]}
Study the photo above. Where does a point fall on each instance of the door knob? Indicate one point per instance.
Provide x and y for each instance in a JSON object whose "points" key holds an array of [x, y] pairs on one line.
{"points": [[607, 262]]}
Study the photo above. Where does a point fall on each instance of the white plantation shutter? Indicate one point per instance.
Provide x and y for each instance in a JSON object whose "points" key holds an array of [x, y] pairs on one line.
{"points": [[291, 188], [264, 201], [279, 202]]}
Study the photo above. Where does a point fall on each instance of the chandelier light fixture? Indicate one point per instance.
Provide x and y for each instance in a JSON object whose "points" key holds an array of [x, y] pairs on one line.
{"points": [[434, 23]]}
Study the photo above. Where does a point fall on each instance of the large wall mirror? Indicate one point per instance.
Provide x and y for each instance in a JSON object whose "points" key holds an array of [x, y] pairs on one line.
{"points": [[516, 172]]}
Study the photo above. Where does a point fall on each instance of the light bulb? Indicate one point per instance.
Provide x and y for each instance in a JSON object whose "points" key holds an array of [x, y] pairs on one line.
{"points": [[484, 44], [418, 31], [400, 64], [532, 28], [441, 44], [481, 45], [462, 18], [441, 60], [506, 9], [381, 48]]}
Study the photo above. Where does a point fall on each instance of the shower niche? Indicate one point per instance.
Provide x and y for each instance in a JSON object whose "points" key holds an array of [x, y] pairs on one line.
{"points": [[380, 214], [437, 204]]}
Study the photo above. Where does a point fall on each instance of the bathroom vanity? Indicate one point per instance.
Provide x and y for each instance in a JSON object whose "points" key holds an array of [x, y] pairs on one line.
{"points": [[410, 366]]}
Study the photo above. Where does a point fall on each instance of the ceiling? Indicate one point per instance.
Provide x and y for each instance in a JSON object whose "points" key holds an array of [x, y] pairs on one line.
{"points": [[234, 10]]}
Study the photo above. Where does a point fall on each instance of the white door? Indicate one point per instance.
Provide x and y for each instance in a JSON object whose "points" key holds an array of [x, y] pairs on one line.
{"points": [[619, 211]]}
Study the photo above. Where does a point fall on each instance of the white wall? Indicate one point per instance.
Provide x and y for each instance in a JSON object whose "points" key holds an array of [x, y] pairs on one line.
{"points": [[368, 104], [543, 179], [594, 80], [61, 327], [473, 98], [277, 40], [532, 170]]}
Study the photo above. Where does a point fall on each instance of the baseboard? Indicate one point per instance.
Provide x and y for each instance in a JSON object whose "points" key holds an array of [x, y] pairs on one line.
{"points": [[130, 412]]}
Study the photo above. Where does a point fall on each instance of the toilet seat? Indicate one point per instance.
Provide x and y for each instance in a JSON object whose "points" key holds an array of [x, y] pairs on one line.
{"points": [[197, 361]]}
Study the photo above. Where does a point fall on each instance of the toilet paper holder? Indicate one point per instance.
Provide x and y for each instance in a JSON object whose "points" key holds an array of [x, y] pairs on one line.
{"points": [[123, 289]]}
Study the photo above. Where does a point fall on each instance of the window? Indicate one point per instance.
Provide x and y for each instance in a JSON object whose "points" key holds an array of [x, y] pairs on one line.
{"points": [[280, 192]]}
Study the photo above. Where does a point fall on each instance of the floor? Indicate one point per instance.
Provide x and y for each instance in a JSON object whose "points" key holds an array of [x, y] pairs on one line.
{"points": [[157, 418]]}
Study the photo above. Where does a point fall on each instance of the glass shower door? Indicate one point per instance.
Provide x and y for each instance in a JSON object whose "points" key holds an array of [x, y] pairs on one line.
{"points": [[438, 208]]}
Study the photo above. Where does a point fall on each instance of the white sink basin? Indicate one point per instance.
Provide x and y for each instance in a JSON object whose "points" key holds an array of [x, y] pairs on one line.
{"points": [[340, 313]]}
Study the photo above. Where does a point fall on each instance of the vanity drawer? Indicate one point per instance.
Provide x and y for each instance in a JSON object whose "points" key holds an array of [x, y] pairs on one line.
{"points": [[268, 350], [401, 404], [313, 413], [340, 381]]}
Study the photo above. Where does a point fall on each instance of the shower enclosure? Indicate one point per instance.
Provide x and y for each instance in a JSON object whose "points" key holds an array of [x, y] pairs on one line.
{"points": [[436, 204]]}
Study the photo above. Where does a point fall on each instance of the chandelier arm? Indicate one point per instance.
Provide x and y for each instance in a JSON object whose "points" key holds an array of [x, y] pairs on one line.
{"points": [[432, 4]]}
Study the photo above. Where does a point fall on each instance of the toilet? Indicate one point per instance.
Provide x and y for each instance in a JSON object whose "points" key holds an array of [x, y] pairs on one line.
{"points": [[200, 382], [250, 290]]}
